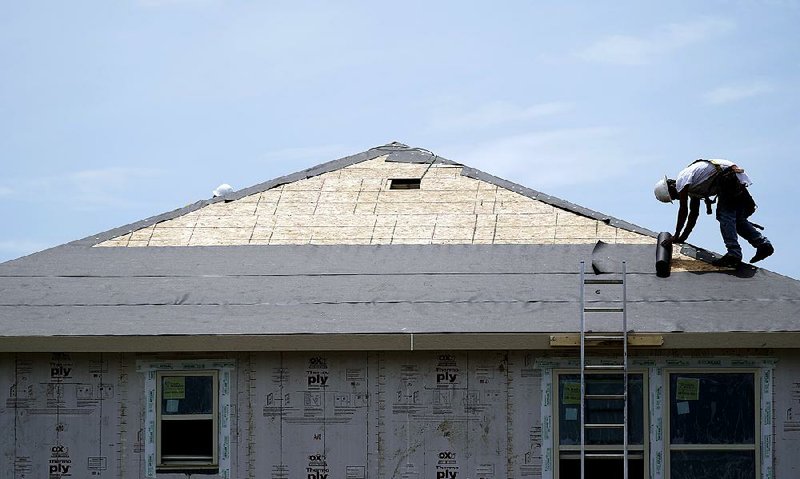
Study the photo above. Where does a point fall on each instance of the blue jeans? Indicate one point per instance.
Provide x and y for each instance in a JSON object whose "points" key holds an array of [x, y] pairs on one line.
{"points": [[733, 223]]}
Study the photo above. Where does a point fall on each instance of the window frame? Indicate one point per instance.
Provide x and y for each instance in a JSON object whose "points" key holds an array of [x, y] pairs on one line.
{"points": [[173, 465], [667, 419], [642, 450]]}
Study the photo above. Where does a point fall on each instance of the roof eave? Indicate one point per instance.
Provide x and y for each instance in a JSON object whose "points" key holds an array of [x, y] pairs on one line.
{"points": [[372, 342]]}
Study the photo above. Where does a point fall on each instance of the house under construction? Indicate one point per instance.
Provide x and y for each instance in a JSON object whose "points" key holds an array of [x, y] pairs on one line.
{"points": [[393, 314]]}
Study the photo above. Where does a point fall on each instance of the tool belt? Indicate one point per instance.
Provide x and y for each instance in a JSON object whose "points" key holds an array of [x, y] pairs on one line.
{"points": [[732, 192], [727, 188]]}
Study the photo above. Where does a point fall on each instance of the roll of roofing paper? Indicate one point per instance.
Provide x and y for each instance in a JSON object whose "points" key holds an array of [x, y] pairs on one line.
{"points": [[663, 254]]}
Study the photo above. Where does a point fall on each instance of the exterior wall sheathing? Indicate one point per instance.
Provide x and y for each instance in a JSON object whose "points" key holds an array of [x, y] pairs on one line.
{"points": [[350, 415]]}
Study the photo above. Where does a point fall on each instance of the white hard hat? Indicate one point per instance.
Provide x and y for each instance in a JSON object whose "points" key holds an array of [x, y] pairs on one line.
{"points": [[661, 191]]}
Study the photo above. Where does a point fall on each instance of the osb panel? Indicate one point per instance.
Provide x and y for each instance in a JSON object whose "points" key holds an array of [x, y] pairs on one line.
{"points": [[354, 205]]}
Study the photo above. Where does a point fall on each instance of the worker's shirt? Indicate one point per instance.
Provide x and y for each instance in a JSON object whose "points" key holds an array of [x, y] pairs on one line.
{"points": [[699, 178]]}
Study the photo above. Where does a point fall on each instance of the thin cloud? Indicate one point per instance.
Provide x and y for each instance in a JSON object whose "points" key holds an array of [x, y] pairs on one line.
{"points": [[85, 189], [553, 158], [106, 186], [733, 93], [640, 50], [495, 113], [316, 154], [619, 50], [167, 3], [6, 191], [16, 248]]}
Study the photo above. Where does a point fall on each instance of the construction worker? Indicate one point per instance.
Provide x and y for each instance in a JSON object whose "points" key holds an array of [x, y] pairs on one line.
{"points": [[721, 178]]}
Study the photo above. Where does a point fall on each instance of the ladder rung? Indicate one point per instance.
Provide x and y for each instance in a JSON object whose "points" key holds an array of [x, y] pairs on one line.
{"points": [[603, 426], [602, 281], [603, 337], [605, 396], [615, 367], [601, 455], [606, 455], [603, 310]]}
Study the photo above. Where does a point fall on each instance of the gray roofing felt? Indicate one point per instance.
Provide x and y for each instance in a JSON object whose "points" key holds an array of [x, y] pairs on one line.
{"points": [[256, 290], [77, 290]]}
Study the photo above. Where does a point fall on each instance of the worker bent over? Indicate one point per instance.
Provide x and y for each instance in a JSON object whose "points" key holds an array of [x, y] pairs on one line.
{"points": [[721, 178]]}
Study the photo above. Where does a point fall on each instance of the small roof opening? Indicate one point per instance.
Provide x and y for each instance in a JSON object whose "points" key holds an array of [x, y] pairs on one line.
{"points": [[404, 183]]}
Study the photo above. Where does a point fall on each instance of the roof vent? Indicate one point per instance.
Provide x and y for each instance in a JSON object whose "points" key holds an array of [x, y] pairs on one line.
{"points": [[223, 190], [404, 183]]}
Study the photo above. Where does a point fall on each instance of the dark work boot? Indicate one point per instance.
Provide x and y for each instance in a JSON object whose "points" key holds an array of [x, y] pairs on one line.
{"points": [[727, 261], [762, 252]]}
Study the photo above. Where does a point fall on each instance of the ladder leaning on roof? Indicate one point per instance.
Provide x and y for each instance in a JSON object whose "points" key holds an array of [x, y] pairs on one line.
{"points": [[617, 368]]}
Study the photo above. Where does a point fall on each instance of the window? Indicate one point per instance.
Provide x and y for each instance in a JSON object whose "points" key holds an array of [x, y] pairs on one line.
{"points": [[405, 183], [601, 411], [187, 420], [712, 419]]}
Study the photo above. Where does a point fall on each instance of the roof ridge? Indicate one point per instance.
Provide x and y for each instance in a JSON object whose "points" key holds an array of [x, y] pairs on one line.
{"points": [[395, 152]]}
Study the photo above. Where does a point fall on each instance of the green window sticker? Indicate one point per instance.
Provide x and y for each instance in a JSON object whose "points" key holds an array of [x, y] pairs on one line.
{"points": [[174, 387], [687, 389], [571, 393]]}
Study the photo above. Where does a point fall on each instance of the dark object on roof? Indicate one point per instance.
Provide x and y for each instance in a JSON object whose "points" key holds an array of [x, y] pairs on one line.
{"points": [[663, 254]]}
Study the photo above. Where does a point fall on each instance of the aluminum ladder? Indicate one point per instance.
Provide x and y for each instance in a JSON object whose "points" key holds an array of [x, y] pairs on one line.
{"points": [[620, 367]]}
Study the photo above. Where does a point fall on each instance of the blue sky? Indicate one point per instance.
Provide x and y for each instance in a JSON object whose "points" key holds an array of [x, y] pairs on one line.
{"points": [[111, 112]]}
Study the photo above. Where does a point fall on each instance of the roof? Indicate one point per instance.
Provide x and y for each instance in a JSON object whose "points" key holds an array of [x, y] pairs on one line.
{"points": [[77, 297], [350, 201]]}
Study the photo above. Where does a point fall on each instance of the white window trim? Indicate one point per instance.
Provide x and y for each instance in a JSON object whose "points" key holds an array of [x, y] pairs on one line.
{"points": [[656, 365], [643, 450], [756, 447], [166, 464], [225, 367]]}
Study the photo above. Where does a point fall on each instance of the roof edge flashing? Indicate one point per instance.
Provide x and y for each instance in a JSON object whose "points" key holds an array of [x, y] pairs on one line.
{"points": [[400, 341]]}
